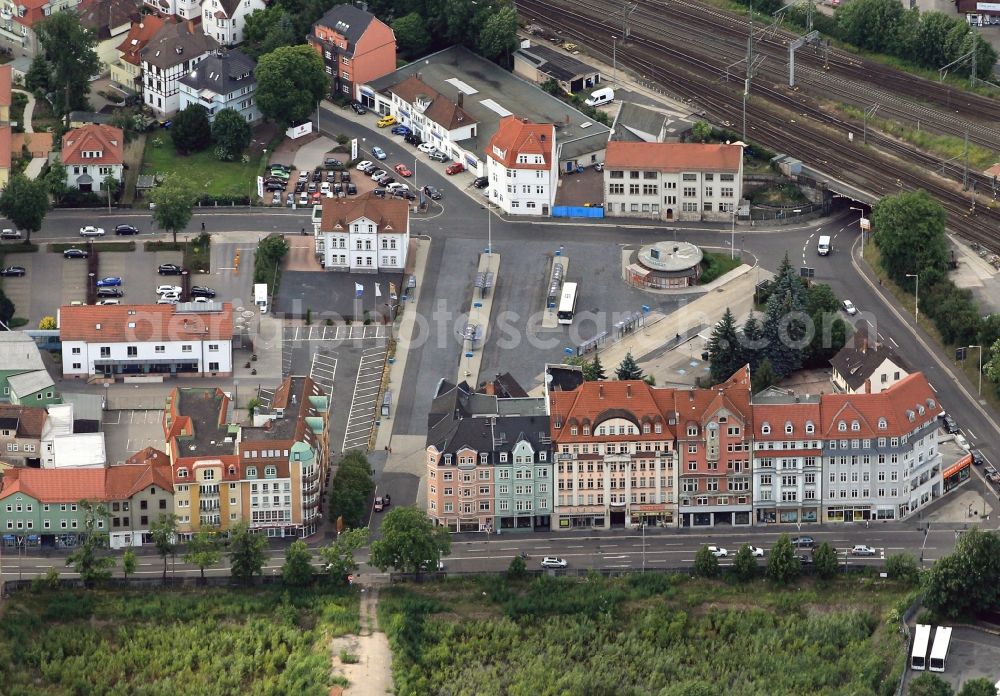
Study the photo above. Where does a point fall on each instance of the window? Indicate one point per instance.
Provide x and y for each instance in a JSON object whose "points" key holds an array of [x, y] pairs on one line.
{"points": [[616, 189]]}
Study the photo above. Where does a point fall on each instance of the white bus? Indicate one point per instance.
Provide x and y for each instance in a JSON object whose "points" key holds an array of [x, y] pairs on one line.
{"points": [[939, 653], [567, 305], [921, 641]]}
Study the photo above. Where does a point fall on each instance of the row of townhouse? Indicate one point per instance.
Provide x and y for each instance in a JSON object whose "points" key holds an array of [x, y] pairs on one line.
{"points": [[626, 454]]}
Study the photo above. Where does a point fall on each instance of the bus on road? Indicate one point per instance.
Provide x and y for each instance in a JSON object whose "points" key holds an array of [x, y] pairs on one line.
{"points": [[567, 305], [921, 642], [939, 653]]}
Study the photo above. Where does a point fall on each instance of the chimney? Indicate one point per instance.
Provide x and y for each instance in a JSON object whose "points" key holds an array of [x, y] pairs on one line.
{"points": [[628, 391], [461, 100], [489, 388], [600, 391]]}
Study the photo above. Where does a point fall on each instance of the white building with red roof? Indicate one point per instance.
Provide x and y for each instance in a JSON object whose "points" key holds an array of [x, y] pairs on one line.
{"points": [[673, 181], [171, 340], [91, 154], [522, 167], [362, 234]]}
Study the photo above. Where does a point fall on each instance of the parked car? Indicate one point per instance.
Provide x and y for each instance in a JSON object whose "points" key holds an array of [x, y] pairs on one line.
{"points": [[325, 189], [317, 176], [303, 176], [429, 566], [279, 165], [401, 130], [126, 229], [396, 185], [382, 502], [380, 175], [386, 180], [378, 153], [454, 168], [174, 296], [75, 254], [385, 121], [598, 166], [413, 139], [439, 156], [359, 108], [109, 282], [201, 291], [481, 182], [315, 197], [303, 198], [331, 176], [169, 269], [333, 163], [345, 176], [290, 200], [91, 231], [962, 442], [862, 550], [363, 165], [11, 234], [280, 174], [718, 551], [806, 542], [110, 292], [276, 198], [403, 170], [850, 308], [404, 193], [13, 271], [337, 189], [950, 426], [312, 187], [352, 190], [432, 193], [426, 148], [200, 300], [379, 193], [109, 302], [163, 289], [165, 301], [554, 562], [300, 187], [273, 186], [977, 458]]}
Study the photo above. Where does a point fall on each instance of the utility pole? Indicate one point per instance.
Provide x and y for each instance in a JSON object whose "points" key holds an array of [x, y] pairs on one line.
{"points": [[965, 169]]}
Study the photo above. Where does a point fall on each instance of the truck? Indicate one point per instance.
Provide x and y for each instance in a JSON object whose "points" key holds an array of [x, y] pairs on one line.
{"points": [[260, 297], [823, 246]]}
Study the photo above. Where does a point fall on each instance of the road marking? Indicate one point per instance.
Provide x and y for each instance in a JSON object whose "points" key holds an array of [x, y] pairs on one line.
{"points": [[932, 387], [971, 434], [613, 558], [891, 340]]}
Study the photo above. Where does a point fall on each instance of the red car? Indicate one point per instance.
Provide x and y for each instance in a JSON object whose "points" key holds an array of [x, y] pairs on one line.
{"points": [[455, 168], [402, 170]]}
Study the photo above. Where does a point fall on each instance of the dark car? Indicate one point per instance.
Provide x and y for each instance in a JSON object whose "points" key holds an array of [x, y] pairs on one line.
{"points": [[201, 291], [274, 186], [352, 190], [75, 254], [950, 425], [332, 163], [169, 269], [379, 193], [300, 187], [481, 182], [386, 181], [126, 229], [338, 188], [432, 193], [439, 156], [13, 271], [404, 193], [413, 139], [804, 558], [317, 175], [400, 130], [331, 176], [359, 108], [312, 188], [977, 458], [345, 176], [806, 542], [110, 292]]}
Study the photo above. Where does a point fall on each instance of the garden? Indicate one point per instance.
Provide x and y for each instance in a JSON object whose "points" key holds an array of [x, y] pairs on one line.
{"points": [[211, 641], [646, 634], [212, 177]]}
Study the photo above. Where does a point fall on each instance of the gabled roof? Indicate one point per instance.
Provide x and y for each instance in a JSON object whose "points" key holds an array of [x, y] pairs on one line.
{"points": [[30, 382], [222, 72], [519, 136], [390, 215], [673, 157], [30, 419], [139, 35], [348, 21], [93, 484], [228, 10], [94, 137], [141, 323], [178, 43], [102, 16], [150, 455], [858, 360], [637, 123], [904, 406], [441, 110], [19, 352], [594, 402]]}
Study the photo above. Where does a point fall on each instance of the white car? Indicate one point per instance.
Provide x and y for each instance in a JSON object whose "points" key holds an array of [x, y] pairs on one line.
{"points": [[91, 231], [554, 562], [396, 185], [850, 308], [718, 551], [172, 296], [325, 188], [109, 302], [427, 148], [201, 300], [962, 442], [161, 289], [166, 300], [862, 550], [363, 165], [756, 552]]}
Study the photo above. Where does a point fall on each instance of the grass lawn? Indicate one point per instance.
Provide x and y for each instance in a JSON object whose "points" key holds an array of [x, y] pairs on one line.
{"points": [[197, 253], [645, 634], [210, 176], [714, 266], [98, 246], [206, 641]]}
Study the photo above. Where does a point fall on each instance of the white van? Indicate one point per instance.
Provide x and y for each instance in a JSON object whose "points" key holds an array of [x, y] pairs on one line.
{"points": [[260, 297], [604, 95], [823, 246]]}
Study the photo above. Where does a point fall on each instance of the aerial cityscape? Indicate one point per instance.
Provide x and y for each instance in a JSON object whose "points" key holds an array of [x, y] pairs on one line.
{"points": [[499, 347]]}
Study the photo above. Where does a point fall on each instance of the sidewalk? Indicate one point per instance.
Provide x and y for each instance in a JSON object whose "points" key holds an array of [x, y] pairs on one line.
{"points": [[480, 313]]}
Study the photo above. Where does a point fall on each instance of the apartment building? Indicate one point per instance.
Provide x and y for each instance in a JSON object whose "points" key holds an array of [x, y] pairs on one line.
{"points": [[224, 80], [615, 455], [126, 67], [363, 234], [184, 10], [521, 166], [225, 20], [19, 18], [866, 366], [171, 54], [110, 21], [356, 47], [92, 153], [673, 181], [23, 377]]}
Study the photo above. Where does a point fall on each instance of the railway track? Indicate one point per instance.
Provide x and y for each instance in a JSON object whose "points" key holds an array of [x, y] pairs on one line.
{"points": [[695, 80]]}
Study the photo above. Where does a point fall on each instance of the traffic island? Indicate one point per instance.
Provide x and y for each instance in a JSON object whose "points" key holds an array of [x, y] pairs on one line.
{"points": [[476, 329]]}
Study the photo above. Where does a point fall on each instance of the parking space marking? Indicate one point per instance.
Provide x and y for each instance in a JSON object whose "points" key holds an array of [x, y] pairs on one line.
{"points": [[323, 371], [364, 400], [353, 332]]}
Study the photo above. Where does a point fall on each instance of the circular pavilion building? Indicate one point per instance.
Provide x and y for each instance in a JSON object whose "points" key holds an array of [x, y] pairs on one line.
{"points": [[665, 266]]}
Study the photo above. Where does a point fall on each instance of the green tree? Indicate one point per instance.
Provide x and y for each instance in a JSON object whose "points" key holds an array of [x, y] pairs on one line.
{"points": [[991, 368], [763, 378], [231, 133], [24, 202], [38, 77], [498, 37], [173, 201], [129, 562], [725, 355], [902, 567], [70, 50], [701, 131], [290, 80], [706, 565], [86, 560], [785, 329], [830, 331], [870, 24], [967, 578], [782, 565], [164, 534], [297, 570], [517, 569], [246, 552], [191, 130], [267, 30], [411, 34], [744, 564], [110, 185], [628, 368], [752, 343], [338, 557], [204, 550], [989, 332], [6, 308], [980, 686], [594, 370], [351, 489], [55, 180], [270, 252], [910, 235], [928, 684], [825, 561], [47, 323], [410, 542]]}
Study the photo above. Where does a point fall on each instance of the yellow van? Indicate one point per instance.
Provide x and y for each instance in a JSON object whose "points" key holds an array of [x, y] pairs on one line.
{"points": [[387, 120]]}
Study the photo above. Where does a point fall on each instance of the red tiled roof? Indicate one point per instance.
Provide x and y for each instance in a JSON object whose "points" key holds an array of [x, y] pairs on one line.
{"points": [[5, 152], [777, 415], [142, 323], [6, 72], [138, 36], [895, 404], [441, 110], [97, 484], [516, 136], [94, 137], [150, 455], [673, 157], [594, 402], [389, 214], [31, 419]]}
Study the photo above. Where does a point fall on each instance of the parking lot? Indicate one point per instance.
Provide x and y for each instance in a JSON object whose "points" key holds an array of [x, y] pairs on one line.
{"points": [[365, 401], [973, 654], [131, 430], [137, 269]]}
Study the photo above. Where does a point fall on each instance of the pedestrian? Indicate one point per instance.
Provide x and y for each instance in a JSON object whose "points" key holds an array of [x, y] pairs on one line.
{"points": [[202, 226], [880, 282]]}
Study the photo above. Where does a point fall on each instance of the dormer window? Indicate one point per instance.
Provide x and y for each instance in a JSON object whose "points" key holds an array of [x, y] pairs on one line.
{"points": [[658, 428], [765, 429], [692, 431], [182, 473], [855, 425], [572, 430], [810, 428], [645, 428], [586, 430], [883, 424], [842, 426], [788, 428]]}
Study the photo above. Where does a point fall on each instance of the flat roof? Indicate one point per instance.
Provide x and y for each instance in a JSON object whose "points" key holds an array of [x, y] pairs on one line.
{"points": [[556, 64], [202, 406], [442, 71]]}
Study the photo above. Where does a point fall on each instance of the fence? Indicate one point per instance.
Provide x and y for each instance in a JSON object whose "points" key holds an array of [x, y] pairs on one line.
{"points": [[577, 211], [787, 215]]}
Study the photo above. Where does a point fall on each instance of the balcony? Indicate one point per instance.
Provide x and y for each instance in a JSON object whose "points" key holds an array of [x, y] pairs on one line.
{"points": [[311, 489], [311, 477], [310, 503], [208, 505]]}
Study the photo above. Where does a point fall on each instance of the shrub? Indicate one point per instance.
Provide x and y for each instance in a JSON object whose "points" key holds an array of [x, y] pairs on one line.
{"points": [[706, 565], [903, 568]]}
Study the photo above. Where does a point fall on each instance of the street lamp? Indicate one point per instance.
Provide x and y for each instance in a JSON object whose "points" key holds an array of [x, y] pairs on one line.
{"points": [[614, 58], [916, 296], [732, 237], [862, 211]]}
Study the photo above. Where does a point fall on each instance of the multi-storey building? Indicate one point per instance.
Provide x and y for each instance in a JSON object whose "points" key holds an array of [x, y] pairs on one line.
{"points": [[866, 366], [126, 69], [21, 435], [489, 461], [23, 377], [673, 181], [521, 166], [18, 19], [92, 153], [110, 21], [225, 20], [170, 55], [177, 340], [185, 10], [363, 234], [615, 455], [224, 80], [356, 47]]}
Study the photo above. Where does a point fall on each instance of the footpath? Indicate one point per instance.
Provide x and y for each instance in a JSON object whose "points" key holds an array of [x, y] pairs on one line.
{"points": [[365, 659]]}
